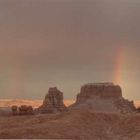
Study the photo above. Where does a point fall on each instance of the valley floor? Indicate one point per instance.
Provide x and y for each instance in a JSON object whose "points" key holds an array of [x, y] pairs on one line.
{"points": [[72, 125]]}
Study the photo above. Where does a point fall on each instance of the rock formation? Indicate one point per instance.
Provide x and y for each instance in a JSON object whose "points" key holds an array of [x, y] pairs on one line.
{"points": [[53, 102], [22, 110], [102, 97], [25, 110], [14, 110]]}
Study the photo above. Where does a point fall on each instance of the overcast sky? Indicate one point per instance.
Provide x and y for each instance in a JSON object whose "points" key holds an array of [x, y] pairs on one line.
{"points": [[67, 43]]}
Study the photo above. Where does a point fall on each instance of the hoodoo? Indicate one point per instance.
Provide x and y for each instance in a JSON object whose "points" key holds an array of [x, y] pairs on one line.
{"points": [[53, 102], [103, 97]]}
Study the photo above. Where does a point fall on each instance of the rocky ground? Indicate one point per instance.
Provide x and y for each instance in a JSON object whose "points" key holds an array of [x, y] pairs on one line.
{"points": [[99, 113], [74, 124]]}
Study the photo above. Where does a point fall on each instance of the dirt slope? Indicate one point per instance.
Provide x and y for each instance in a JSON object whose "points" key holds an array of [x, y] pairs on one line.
{"points": [[72, 125]]}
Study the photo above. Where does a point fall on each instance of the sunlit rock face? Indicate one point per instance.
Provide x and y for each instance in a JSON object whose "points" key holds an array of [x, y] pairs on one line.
{"points": [[53, 102], [102, 97]]}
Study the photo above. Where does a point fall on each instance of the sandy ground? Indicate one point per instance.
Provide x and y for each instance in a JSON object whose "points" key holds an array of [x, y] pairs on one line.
{"points": [[72, 125], [69, 125]]}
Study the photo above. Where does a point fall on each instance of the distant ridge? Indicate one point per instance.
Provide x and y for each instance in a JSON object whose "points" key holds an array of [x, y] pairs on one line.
{"points": [[34, 103]]}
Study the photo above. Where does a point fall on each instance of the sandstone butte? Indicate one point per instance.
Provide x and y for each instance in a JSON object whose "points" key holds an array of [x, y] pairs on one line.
{"points": [[98, 97], [53, 102], [103, 97]]}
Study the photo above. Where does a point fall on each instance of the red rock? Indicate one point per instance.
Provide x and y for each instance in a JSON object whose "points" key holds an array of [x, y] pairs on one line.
{"points": [[14, 110], [53, 102], [22, 110], [102, 97]]}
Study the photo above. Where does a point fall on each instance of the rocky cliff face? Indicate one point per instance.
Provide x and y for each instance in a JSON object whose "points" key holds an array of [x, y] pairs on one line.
{"points": [[53, 102], [102, 90], [102, 97]]}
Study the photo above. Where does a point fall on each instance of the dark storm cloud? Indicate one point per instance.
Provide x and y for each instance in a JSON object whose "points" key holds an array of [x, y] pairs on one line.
{"points": [[65, 43]]}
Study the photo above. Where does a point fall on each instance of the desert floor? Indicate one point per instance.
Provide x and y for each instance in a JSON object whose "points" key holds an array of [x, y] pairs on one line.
{"points": [[72, 125]]}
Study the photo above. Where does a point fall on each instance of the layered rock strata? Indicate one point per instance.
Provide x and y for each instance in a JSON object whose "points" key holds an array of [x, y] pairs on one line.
{"points": [[53, 102], [105, 97]]}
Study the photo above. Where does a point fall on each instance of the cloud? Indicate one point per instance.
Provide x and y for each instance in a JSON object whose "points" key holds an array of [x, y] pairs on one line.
{"points": [[56, 42]]}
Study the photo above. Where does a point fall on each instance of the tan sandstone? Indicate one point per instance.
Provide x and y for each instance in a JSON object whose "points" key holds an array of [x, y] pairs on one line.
{"points": [[103, 97], [53, 102]]}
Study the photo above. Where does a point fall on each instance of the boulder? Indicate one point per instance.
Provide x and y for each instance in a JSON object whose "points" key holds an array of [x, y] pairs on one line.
{"points": [[14, 110], [22, 110], [53, 102], [25, 110]]}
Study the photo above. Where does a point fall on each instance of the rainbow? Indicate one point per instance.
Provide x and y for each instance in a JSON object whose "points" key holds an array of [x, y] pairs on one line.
{"points": [[117, 78]]}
